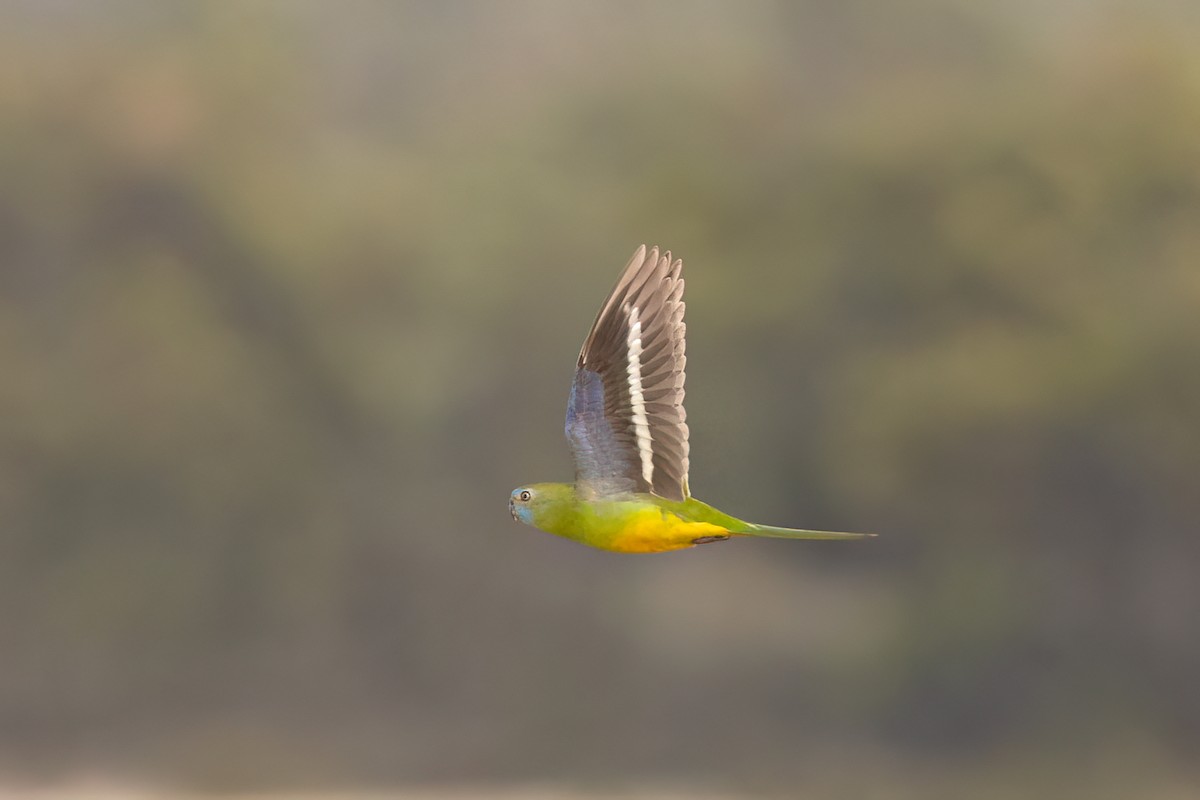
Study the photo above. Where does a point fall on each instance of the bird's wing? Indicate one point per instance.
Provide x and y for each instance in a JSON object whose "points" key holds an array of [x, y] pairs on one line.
{"points": [[625, 420]]}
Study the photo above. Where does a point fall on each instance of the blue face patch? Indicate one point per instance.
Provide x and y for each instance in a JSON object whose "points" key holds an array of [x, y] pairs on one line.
{"points": [[520, 511]]}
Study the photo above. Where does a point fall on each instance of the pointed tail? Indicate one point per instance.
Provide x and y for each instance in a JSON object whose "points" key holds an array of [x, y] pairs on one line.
{"points": [[796, 533]]}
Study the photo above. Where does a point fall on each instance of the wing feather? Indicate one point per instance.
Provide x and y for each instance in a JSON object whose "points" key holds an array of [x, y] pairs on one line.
{"points": [[626, 422]]}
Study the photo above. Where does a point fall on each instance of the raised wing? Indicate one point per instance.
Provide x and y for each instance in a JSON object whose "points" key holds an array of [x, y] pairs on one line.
{"points": [[625, 419]]}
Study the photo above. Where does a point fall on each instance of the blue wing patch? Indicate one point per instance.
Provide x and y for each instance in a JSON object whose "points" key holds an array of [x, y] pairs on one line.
{"points": [[603, 464]]}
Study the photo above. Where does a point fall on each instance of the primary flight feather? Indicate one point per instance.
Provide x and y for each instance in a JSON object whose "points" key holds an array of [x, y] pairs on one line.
{"points": [[627, 429]]}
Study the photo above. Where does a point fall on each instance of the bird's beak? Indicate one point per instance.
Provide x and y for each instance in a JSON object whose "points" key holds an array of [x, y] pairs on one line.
{"points": [[512, 509]]}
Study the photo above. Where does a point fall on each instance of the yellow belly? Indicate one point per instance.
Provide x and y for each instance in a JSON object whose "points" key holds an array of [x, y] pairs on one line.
{"points": [[657, 531]]}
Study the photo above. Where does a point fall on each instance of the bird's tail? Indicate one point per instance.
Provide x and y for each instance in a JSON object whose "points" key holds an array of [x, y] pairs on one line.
{"points": [[796, 533]]}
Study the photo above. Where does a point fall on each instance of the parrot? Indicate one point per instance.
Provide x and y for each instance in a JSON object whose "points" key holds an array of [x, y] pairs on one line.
{"points": [[627, 431]]}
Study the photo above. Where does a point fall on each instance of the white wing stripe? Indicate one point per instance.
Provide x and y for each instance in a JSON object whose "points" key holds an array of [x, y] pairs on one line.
{"points": [[637, 400]]}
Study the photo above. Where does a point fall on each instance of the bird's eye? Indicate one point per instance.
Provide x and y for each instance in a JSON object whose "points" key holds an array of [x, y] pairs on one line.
{"points": [[525, 495]]}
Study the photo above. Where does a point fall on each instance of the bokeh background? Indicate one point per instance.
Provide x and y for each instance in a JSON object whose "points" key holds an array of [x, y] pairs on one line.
{"points": [[290, 296]]}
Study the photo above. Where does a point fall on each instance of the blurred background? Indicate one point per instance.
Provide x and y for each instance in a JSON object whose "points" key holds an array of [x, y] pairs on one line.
{"points": [[290, 297]]}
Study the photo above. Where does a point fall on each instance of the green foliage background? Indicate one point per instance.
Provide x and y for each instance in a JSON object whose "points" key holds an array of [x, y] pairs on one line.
{"points": [[290, 295]]}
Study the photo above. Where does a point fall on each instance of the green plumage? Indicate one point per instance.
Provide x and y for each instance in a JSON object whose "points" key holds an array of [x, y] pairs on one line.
{"points": [[639, 523]]}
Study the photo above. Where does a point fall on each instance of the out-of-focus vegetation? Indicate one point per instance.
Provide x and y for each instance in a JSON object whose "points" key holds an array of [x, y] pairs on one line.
{"points": [[290, 296]]}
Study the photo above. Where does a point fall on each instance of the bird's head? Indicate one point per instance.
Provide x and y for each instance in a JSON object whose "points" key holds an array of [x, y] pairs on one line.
{"points": [[533, 503], [520, 504]]}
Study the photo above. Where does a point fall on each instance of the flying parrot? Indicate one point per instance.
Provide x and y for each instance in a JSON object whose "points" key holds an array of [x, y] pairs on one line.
{"points": [[627, 431]]}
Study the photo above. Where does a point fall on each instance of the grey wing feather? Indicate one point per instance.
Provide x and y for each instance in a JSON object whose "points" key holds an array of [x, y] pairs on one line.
{"points": [[626, 422]]}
